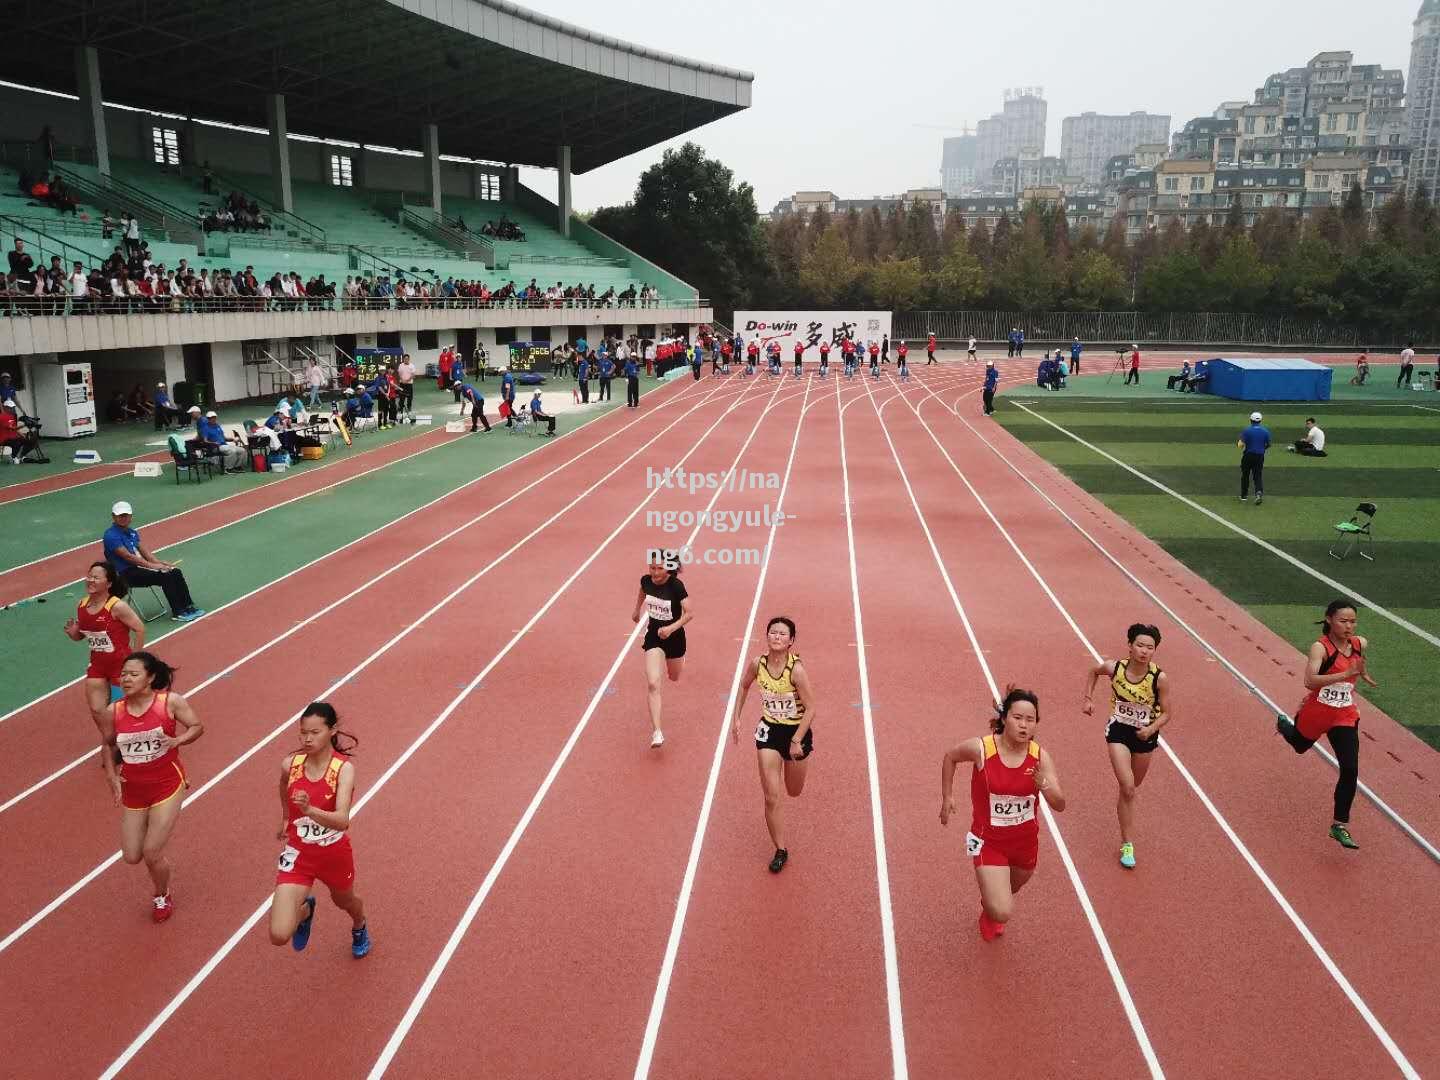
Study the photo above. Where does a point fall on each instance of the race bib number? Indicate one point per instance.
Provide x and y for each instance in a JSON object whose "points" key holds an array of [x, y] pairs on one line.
{"points": [[1011, 809], [780, 706], [1338, 695], [973, 844], [287, 859], [312, 832], [658, 608], [140, 747], [99, 641], [1131, 714], [762, 732]]}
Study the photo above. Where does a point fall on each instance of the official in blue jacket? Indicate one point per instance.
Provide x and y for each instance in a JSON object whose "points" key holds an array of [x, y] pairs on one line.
{"points": [[632, 384], [1253, 442], [992, 380]]}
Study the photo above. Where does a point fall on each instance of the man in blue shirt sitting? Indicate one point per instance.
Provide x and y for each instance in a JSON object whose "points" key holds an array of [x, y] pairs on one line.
{"points": [[352, 407], [165, 412], [537, 413], [137, 566], [214, 443], [1253, 441]]}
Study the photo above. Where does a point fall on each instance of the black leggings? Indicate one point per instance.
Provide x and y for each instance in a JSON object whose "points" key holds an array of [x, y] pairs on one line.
{"points": [[407, 397], [1345, 741]]}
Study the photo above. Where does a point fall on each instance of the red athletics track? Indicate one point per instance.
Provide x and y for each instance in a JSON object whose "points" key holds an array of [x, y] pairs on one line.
{"points": [[273, 686], [53, 571], [580, 913], [89, 474]]}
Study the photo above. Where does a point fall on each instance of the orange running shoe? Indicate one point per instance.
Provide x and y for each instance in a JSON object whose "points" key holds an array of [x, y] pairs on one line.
{"points": [[989, 929]]}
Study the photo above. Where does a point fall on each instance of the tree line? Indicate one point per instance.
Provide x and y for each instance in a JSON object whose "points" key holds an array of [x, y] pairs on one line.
{"points": [[690, 215]]}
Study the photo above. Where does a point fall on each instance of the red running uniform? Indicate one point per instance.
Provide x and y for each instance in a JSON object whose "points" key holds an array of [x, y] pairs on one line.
{"points": [[1333, 705], [312, 850], [150, 772], [109, 640], [1004, 830]]}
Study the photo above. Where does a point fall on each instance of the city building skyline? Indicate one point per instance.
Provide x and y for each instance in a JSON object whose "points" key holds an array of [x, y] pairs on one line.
{"points": [[1423, 120]]}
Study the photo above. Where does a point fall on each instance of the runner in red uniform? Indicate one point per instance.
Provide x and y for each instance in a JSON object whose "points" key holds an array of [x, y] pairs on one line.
{"points": [[1329, 709], [930, 349], [107, 623], [316, 786], [146, 735], [1010, 772]]}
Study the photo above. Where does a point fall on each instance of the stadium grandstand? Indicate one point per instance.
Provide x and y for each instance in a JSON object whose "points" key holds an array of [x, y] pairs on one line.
{"points": [[280, 181]]}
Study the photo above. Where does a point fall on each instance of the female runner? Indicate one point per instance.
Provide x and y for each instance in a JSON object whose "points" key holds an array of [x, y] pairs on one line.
{"points": [[107, 623], [148, 727], [1329, 709], [1139, 709], [316, 786], [1010, 772], [667, 606], [784, 738]]}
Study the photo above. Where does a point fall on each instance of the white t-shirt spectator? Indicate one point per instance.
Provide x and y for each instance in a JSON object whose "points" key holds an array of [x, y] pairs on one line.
{"points": [[1407, 356], [1315, 437], [79, 285]]}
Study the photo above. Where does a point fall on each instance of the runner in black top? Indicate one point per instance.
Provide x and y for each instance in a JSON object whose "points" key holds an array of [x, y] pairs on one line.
{"points": [[664, 601]]}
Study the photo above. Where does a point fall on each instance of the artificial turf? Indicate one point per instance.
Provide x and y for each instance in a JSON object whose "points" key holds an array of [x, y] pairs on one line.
{"points": [[1384, 447]]}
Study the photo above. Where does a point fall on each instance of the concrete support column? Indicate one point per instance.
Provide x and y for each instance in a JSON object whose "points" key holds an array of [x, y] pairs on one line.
{"points": [[279, 151], [357, 169], [92, 105], [430, 143], [174, 357], [507, 183], [562, 200]]}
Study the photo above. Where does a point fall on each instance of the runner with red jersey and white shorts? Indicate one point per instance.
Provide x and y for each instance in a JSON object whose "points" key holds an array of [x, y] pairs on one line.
{"points": [[317, 784], [1335, 662], [106, 624], [146, 729], [1010, 775]]}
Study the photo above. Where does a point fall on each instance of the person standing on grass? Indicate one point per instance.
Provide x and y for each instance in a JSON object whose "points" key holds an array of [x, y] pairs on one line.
{"points": [[1139, 708], [1407, 366], [1253, 442], [1133, 375], [665, 603], [992, 380], [1075, 349], [405, 376], [148, 725], [317, 784], [1011, 774], [632, 383], [112, 630], [1329, 709], [607, 372], [582, 377], [784, 737]]}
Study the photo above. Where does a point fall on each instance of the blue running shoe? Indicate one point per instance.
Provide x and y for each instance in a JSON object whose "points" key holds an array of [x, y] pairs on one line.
{"points": [[301, 937], [191, 615], [360, 942]]}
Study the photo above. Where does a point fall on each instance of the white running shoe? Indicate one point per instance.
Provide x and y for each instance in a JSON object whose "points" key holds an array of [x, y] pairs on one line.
{"points": [[657, 740]]}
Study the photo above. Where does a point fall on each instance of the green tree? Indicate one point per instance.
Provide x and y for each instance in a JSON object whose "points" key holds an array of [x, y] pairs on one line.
{"points": [[1305, 282], [1000, 238], [1029, 279], [1239, 280], [917, 236], [898, 284], [1173, 283], [829, 272], [1096, 283], [961, 280], [1392, 222], [690, 216]]}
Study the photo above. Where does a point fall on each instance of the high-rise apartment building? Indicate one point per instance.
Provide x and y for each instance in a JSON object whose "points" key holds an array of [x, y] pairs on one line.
{"points": [[1089, 140], [1330, 78], [1424, 110], [1020, 125], [957, 165]]}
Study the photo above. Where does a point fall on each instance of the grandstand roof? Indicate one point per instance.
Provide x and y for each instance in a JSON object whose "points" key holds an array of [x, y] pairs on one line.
{"points": [[502, 83]]}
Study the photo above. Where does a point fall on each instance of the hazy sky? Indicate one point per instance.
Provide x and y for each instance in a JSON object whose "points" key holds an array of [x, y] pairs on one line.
{"points": [[855, 98]]}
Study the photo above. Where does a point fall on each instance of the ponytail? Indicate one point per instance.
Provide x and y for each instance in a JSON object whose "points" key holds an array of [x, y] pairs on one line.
{"points": [[162, 675], [118, 588]]}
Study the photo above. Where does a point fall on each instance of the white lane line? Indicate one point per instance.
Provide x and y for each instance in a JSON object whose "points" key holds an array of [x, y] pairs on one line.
{"points": [[472, 911], [69, 487], [125, 461], [1339, 587], [1279, 897], [58, 901], [899, 1064], [1127, 1002], [1240, 677], [671, 400], [420, 740], [314, 616]]}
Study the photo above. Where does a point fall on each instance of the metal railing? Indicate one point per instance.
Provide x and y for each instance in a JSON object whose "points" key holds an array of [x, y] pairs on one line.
{"points": [[48, 245], [1156, 328], [366, 261], [179, 225], [38, 306], [436, 228]]}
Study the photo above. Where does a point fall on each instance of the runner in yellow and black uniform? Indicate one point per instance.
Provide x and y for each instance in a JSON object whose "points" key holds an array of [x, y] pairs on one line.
{"points": [[783, 737], [1139, 709]]}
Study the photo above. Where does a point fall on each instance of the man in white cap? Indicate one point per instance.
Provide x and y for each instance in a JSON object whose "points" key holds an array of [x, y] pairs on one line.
{"points": [[165, 410], [1253, 442], [992, 380], [138, 567], [214, 443]]}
